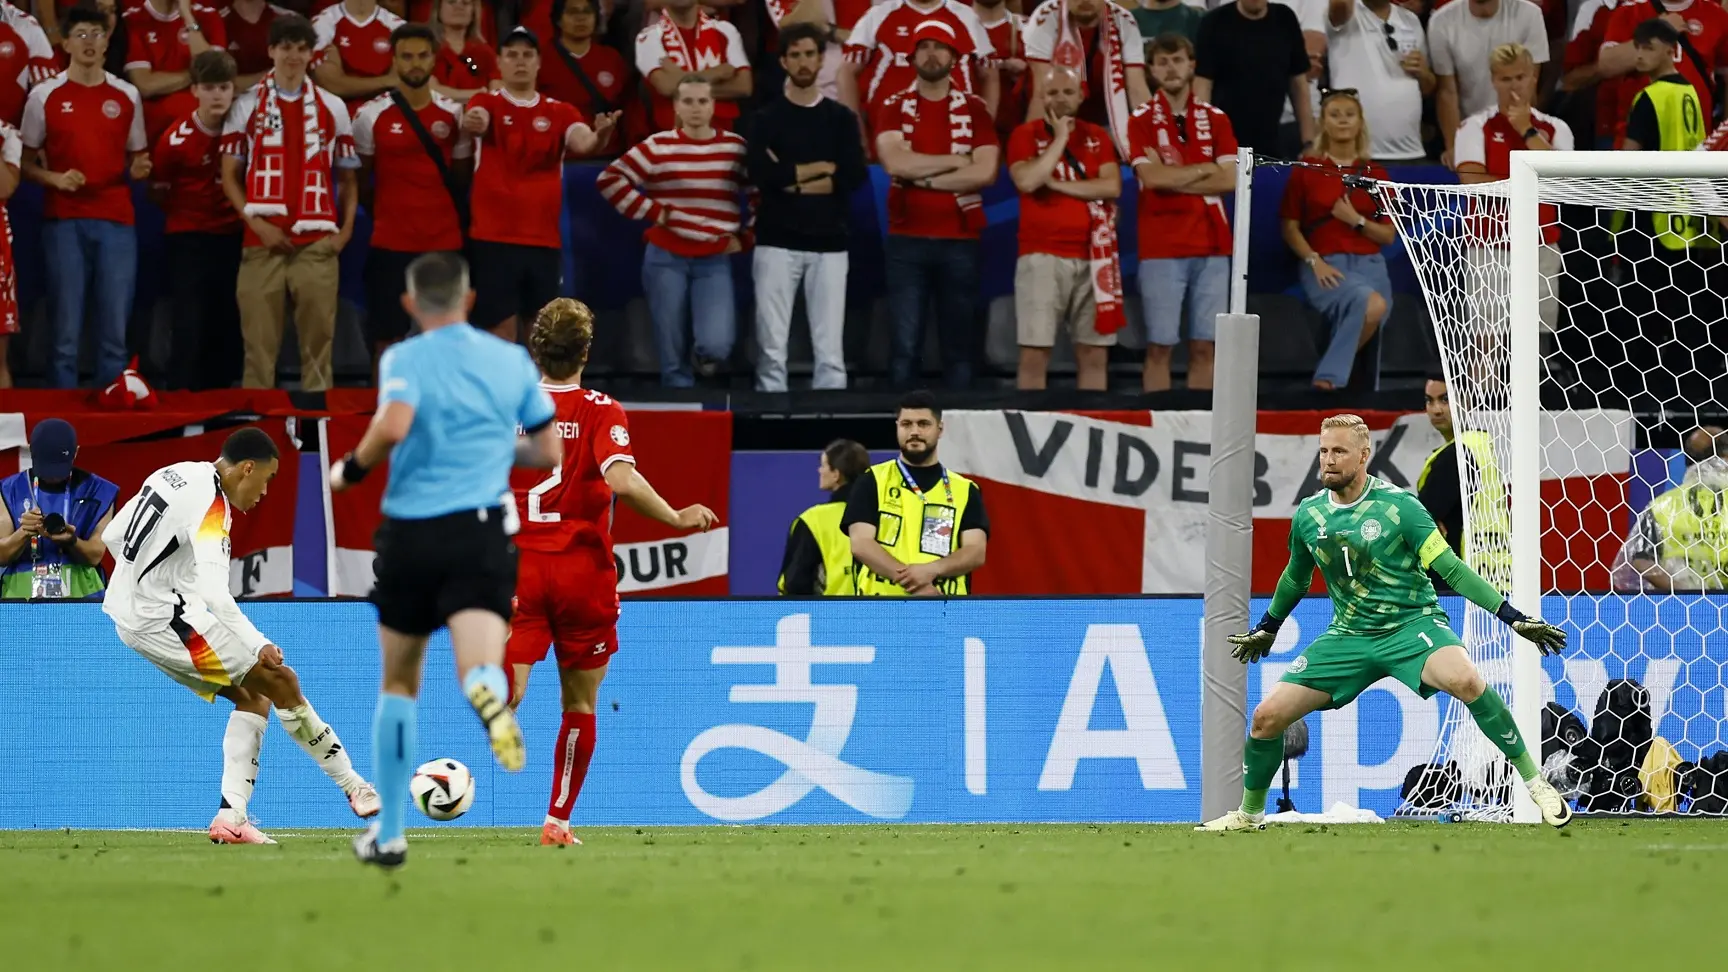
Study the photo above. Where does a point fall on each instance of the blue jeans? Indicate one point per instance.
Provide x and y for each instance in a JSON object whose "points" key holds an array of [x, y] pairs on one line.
{"points": [[921, 272], [699, 288], [1164, 283], [92, 257], [1344, 307]]}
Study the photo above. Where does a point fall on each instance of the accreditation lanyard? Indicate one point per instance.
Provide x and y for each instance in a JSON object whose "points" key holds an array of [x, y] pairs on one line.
{"points": [[36, 502], [906, 474]]}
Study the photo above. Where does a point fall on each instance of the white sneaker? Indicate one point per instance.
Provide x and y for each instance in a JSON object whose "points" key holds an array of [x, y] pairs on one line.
{"points": [[1556, 812], [363, 800], [1234, 820]]}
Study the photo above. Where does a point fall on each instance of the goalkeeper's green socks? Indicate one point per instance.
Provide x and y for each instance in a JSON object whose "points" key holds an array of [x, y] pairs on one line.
{"points": [[1260, 761], [1496, 722]]}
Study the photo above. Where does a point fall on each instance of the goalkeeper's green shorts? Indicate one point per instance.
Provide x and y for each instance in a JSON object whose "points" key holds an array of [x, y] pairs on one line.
{"points": [[1344, 665]]}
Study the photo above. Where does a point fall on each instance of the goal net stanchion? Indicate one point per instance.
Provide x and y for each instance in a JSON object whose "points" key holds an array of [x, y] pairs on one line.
{"points": [[1579, 312]]}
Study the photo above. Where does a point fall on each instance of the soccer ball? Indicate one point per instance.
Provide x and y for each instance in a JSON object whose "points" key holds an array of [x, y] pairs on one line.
{"points": [[443, 789]]}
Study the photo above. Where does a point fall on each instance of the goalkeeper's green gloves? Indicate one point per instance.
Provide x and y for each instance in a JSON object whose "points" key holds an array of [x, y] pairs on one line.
{"points": [[1256, 644], [1548, 639]]}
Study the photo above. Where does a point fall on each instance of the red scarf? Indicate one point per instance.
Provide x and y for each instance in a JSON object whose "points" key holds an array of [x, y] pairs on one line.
{"points": [[959, 143], [1101, 253], [672, 39], [269, 167], [1068, 52]]}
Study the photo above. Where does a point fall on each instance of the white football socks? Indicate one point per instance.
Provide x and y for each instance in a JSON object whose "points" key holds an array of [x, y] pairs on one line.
{"points": [[319, 741], [240, 745]]}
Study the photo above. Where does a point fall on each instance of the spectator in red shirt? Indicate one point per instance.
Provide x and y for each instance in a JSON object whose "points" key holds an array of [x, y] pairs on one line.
{"points": [[26, 58], [1100, 42], [576, 67], [684, 39], [163, 37], [687, 182], [247, 24], [1583, 69], [939, 145], [203, 235], [1007, 38], [417, 200], [1184, 156], [354, 50], [288, 167], [83, 135], [11, 155], [880, 54], [466, 65], [522, 139], [1337, 231], [1066, 171]]}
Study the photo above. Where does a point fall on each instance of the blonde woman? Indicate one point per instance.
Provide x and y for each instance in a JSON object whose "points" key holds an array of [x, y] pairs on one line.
{"points": [[1337, 232], [466, 65]]}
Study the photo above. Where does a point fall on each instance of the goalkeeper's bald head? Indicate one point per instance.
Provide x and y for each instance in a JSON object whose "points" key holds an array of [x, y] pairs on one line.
{"points": [[562, 335]]}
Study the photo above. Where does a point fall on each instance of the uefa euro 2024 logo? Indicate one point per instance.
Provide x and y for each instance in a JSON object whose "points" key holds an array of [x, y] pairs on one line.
{"points": [[811, 763]]}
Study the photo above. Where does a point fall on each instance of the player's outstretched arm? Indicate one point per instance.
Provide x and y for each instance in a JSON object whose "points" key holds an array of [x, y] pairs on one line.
{"points": [[1548, 638], [1293, 585], [636, 491]]}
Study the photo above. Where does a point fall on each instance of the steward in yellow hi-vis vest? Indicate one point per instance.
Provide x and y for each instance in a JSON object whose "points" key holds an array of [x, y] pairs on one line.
{"points": [[1667, 116], [916, 528], [1480, 532], [818, 557]]}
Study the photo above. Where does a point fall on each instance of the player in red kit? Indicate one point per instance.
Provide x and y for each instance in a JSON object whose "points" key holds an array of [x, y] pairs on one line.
{"points": [[566, 579]]}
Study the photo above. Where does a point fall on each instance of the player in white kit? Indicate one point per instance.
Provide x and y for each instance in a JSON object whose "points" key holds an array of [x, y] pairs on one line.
{"points": [[170, 602]]}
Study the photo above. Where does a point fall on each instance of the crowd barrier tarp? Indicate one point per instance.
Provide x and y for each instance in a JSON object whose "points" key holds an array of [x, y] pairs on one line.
{"points": [[685, 454], [1116, 502], [763, 711]]}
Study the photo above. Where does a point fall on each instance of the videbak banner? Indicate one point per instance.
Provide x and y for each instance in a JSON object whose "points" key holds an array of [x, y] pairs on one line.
{"points": [[685, 453], [1116, 502]]}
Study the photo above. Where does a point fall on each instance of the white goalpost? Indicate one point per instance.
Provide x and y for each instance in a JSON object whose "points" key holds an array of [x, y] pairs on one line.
{"points": [[1579, 309]]}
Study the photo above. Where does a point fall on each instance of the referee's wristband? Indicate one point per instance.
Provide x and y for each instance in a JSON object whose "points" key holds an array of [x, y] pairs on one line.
{"points": [[1510, 614], [352, 471], [1269, 624]]}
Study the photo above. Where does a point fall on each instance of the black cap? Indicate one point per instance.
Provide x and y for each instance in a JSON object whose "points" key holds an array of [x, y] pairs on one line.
{"points": [[52, 446], [519, 35]]}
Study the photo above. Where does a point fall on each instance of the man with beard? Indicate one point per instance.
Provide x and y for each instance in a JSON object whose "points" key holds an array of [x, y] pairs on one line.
{"points": [[940, 147], [416, 199], [882, 49], [916, 528], [805, 160]]}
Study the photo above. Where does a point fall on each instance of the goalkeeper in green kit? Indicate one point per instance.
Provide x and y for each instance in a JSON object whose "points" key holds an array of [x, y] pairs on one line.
{"points": [[1373, 543]]}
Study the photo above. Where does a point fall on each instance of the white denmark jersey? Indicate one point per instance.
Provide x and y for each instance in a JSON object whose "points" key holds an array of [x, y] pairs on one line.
{"points": [[170, 547]]}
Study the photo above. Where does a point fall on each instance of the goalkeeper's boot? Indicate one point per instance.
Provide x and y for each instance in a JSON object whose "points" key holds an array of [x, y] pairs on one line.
{"points": [[1234, 820], [1556, 812], [502, 729], [363, 800], [389, 854], [227, 830], [558, 835]]}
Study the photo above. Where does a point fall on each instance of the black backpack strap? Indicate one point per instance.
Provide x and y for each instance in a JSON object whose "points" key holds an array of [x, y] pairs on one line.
{"points": [[602, 104], [457, 198]]}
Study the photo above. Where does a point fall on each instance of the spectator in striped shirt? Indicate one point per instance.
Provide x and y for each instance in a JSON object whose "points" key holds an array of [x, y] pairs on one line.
{"points": [[686, 182]]}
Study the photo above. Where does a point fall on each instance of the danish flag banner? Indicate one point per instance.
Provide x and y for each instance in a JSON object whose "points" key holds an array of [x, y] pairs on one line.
{"points": [[1115, 502], [686, 454]]}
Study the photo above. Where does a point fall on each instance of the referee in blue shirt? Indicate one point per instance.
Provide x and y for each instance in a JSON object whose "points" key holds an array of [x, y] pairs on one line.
{"points": [[457, 408]]}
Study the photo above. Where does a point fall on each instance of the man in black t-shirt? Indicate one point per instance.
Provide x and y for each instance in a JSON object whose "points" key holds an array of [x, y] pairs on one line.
{"points": [[916, 528], [1250, 59]]}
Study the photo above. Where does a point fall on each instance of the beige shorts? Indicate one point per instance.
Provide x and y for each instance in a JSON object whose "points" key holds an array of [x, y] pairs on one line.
{"points": [[205, 662], [1052, 290]]}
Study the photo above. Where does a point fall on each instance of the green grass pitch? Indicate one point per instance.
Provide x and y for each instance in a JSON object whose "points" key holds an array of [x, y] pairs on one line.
{"points": [[1600, 894]]}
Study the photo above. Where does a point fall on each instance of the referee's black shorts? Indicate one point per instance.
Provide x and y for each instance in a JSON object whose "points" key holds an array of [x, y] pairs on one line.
{"points": [[427, 570], [513, 280]]}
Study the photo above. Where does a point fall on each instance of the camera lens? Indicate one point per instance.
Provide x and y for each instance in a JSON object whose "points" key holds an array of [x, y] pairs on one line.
{"points": [[54, 524]]}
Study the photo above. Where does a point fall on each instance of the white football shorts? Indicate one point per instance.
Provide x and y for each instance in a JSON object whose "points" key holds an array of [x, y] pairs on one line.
{"points": [[203, 661]]}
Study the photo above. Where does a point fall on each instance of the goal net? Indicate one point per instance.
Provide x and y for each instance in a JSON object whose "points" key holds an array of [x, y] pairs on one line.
{"points": [[1579, 308]]}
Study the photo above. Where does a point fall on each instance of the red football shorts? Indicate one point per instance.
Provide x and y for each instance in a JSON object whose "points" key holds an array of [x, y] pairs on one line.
{"points": [[567, 607]]}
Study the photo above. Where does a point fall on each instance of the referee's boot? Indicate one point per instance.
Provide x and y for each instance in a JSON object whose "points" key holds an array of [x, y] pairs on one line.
{"points": [[388, 854], [502, 729]]}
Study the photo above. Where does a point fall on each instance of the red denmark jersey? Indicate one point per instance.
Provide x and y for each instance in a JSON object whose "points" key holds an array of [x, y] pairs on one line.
{"points": [[1706, 35], [26, 59], [363, 45], [1312, 192], [158, 42], [881, 44], [1613, 95], [1007, 40], [249, 42], [1488, 139], [1176, 225], [94, 129], [935, 213], [411, 209], [519, 169], [570, 511], [187, 160], [474, 66], [1051, 222], [606, 69], [710, 44]]}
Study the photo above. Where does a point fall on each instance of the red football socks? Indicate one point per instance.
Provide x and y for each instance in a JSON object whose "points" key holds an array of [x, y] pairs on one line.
{"points": [[570, 762]]}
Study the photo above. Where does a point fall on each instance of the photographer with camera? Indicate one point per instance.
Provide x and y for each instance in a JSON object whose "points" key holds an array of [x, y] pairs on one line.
{"points": [[51, 520]]}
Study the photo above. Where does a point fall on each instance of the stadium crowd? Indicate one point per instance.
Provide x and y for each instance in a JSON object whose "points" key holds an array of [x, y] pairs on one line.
{"points": [[738, 126]]}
